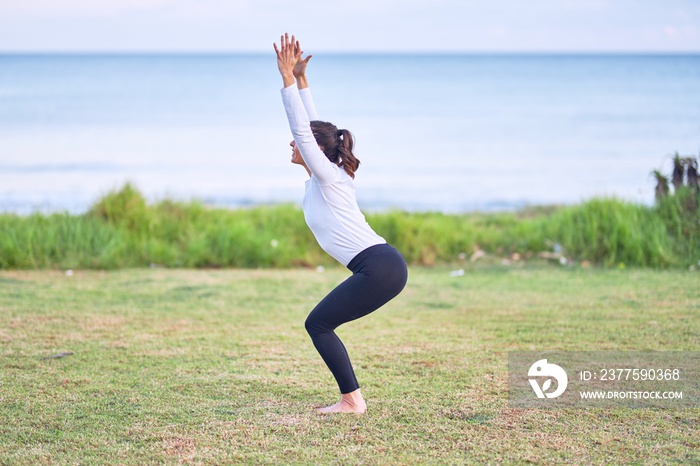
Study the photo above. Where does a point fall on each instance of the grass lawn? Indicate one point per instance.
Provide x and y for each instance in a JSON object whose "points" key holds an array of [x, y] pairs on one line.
{"points": [[215, 367]]}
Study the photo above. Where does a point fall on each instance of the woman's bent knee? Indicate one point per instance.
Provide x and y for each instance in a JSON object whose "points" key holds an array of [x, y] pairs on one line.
{"points": [[314, 326]]}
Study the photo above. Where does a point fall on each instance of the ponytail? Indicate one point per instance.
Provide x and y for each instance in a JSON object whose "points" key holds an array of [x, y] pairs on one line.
{"points": [[337, 145], [348, 161]]}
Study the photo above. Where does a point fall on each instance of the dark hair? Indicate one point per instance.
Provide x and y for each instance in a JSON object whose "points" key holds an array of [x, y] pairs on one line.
{"points": [[337, 144]]}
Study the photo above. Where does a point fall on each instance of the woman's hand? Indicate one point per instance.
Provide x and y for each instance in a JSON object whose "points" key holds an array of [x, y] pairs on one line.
{"points": [[300, 66], [288, 54]]}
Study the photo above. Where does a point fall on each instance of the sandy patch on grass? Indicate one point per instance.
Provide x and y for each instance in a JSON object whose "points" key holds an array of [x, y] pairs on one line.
{"points": [[94, 324], [163, 352], [184, 448]]}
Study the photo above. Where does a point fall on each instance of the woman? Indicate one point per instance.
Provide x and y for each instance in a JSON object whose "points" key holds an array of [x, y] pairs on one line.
{"points": [[378, 271]]}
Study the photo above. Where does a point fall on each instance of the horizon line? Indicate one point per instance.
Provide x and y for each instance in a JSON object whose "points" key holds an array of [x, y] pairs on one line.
{"points": [[353, 52]]}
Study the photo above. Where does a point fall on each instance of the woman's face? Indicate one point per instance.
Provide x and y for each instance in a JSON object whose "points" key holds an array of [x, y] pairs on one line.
{"points": [[296, 155]]}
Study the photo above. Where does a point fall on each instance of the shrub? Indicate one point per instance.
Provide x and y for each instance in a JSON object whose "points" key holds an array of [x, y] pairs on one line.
{"points": [[122, 230]]}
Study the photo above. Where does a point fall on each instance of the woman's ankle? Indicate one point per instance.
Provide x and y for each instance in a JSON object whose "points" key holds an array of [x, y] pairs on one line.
{"points": [[353, 398]]}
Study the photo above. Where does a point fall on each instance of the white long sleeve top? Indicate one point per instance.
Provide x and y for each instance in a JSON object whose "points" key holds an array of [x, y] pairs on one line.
{"points": [[329, 205]]}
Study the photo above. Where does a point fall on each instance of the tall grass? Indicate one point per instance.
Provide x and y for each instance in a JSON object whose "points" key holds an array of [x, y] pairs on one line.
{"points": [[611, 232], [123, 230], [681, 216]]}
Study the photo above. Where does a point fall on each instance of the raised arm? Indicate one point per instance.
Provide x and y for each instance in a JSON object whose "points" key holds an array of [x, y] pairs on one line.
{"points": [[299, 72], [300, 111], [316, 161]]}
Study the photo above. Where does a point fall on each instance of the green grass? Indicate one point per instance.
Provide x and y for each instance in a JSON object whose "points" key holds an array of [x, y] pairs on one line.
{"points": [[214, 367], [121, 230]]}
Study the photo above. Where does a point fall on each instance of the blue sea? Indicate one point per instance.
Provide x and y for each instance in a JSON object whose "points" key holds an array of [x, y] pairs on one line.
{"points": [[450, 133]]}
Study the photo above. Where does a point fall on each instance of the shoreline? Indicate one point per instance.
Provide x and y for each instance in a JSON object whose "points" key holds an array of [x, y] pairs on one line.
{"points": [[454, 209]]}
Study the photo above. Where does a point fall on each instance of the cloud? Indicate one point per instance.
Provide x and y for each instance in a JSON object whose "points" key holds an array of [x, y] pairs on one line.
{"points": [[114, 8], [499, 31], [71, 8], [359, 25], [670, 31]]}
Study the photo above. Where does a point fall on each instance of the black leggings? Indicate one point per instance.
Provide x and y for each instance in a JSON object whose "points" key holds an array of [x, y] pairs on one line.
{"points": [[379, 273]]}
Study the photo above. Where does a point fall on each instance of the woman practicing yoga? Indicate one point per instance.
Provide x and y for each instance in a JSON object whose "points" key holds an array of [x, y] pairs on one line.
{"points": [[378, 271]]}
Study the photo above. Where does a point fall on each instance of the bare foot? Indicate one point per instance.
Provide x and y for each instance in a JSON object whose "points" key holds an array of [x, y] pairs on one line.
{"points": [[350, 403]]}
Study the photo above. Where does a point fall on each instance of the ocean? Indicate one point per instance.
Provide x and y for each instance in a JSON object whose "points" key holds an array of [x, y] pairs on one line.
{"points": [[449, 133]]}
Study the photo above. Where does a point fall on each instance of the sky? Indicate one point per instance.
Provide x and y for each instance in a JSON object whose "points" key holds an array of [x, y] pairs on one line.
{"points": [[351, 25]]}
